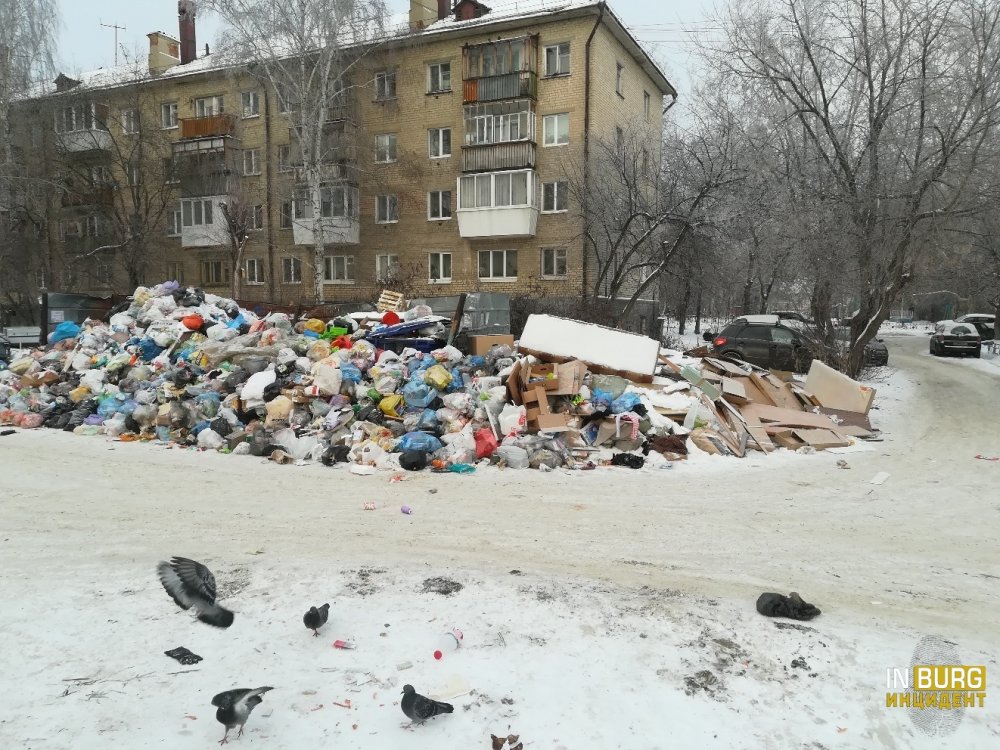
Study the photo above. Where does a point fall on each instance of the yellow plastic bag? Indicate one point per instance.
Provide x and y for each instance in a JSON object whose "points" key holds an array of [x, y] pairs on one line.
{"points": [[438, 377], [390, 405], [315, 325]]}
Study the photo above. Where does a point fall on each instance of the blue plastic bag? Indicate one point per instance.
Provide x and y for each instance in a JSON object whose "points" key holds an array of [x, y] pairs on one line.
{"points": [[350, 372], [428, 420], [419, 441], [601, 399], [65, 330], [418, 393], [625, 403]]}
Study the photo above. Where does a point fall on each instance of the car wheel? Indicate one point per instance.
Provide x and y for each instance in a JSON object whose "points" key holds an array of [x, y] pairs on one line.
{"points": [[978, 353], [934, 351], [733, 356]]}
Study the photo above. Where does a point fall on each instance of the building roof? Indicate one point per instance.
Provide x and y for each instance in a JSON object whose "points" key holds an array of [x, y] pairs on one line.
{"points": [[505, 15]]}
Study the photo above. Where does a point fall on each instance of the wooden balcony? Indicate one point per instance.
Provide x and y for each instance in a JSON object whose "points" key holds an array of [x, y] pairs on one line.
{"points": [[495, 88], [499, 156], [211, 126]]}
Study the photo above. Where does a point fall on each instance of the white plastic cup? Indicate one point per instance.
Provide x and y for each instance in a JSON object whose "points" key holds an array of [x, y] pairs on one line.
{"points": [[449, 642]]}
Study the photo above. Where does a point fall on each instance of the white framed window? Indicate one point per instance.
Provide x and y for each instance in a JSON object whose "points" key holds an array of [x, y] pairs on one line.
{"points": [[251, 161], [498, 265], [175, 271], [438, 78], [92, 226], [386, 209], [439, 268], [100, 176], [81, 117], [554, 262], [133, 175], [291, 271], [385, 85], [285, 158], [338, 269], [385, 148], [169, 167], [168, 115], [619, 79], [555, 129], [208, 106], [439, 205], [173, 223], [386, 267], [196, 212], [253, 271], [102, 272], [340, 201], [555, 197], [497, 189], [439, 142], [557, 59], [130, 121], [645, 103], [255, 219], [214, 272], [285, 220], [499, 122], [250, 104]]}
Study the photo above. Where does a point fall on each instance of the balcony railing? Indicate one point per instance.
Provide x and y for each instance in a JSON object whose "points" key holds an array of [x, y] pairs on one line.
{"points": [[500, 156], [98, 196], [208, 127], [506, 86]]}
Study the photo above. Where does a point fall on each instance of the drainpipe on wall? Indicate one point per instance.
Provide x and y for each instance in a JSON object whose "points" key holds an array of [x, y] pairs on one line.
{"points": [[586, 133], [268, 196], [673, 101]]}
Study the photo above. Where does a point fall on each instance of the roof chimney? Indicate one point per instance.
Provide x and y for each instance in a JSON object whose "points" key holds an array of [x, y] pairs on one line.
{"points": [[423, 14], [444, 8], [189, 46], [164, 52]]}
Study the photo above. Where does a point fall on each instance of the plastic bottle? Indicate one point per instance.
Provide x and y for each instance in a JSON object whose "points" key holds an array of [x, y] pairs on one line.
{"points": [[449, 642]]}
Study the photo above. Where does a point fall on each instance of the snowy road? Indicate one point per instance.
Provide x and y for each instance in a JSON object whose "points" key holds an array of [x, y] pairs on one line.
{"points": [[630, 585]]}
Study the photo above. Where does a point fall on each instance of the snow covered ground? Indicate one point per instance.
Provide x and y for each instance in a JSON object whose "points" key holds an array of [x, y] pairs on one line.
{"points": [[603, 609]]}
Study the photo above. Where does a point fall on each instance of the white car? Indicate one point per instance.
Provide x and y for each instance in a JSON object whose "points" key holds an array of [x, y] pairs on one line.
{"points": [[984, 323]]}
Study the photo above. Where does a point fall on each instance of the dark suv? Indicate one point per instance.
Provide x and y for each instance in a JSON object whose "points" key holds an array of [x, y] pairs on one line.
{"points": [[765, 341]]}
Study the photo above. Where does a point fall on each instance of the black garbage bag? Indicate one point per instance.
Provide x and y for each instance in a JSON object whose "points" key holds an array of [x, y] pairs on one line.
{"points": [[271, 392], [630, 460], [183, 655], [335, 454], [779, 605], [413, 460]]}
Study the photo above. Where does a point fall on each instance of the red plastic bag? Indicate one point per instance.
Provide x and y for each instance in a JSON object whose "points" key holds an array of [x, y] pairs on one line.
{"points": [[486, 442]]}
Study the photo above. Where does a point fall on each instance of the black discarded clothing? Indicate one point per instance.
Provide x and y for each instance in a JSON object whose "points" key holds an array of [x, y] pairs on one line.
{"points": [[628, 459], [184, 656], [792, 606]]}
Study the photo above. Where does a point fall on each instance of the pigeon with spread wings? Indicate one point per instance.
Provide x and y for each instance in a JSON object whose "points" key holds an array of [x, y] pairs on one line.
{"points": [[235, 707], [192, 586]]}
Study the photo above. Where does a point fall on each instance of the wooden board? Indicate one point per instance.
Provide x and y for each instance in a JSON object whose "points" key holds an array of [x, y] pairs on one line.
{"points": [[734, 391], [727, 368], [390, 301], [837, 391], [787, 417], [821, 439], [778, 391], [851, 418], [752, 427]]}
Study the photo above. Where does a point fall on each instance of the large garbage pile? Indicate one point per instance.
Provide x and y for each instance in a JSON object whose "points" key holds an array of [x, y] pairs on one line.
{"points": [[385, 390]]}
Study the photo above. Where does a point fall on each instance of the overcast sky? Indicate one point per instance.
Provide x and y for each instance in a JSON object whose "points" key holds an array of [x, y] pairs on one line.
{"points": [[666, 28]]}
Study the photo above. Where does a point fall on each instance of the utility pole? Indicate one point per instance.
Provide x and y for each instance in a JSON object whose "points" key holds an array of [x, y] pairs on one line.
{"points": [[117, 29]]}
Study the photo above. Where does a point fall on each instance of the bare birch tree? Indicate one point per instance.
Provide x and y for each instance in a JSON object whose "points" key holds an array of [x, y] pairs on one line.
{"points": [[308, 52]]}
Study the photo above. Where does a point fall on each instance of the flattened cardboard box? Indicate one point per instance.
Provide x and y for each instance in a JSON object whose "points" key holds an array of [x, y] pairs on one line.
{"points": [[479, 345]]}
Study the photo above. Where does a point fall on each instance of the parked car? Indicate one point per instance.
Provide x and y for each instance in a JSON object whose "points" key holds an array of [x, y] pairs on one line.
{"points": [[792, 315], [984, 323], [952, 337], [772, 342]]}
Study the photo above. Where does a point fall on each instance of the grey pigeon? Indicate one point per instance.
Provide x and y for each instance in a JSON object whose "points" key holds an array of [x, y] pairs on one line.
{"points": [[419, 708], [192, 586], [315, 618], [235, 707]]}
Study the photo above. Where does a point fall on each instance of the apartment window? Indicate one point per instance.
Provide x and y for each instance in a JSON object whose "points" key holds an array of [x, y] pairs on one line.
{"points": [[386, 209], [81, 117], [338, 269], [169, 169], [133, 174], [253, 270], [555, 130], [102, 272], [555, 197], [214, 273], [173, 223], [251, 161], [100, 176], [554, 262], [620, 140], [438, 78], [338, 201], [285, 222], [619, 76], [208, 106], [385, 148], [645, 163], [250, 104], [92, 226], [439, 142], [130, 121], [499, 189], [557, 60], [386, 267], [499, 122], [498, 264], [291, 271], [385, 85], [285, 158], [439, 268], [175, 272], [168, 115], [645, 103], [255, 219], [196, 212], [439, 204]]}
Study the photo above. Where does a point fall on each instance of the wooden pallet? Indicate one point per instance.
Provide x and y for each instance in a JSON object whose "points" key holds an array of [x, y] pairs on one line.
{"points": [[390, 301]]}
